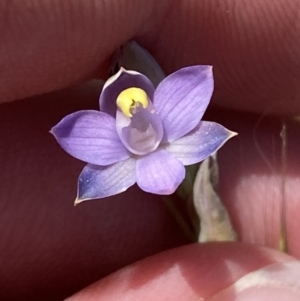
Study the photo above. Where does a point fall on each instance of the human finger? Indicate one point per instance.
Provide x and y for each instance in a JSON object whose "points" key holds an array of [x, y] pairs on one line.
{"points": [[253, 46], [216, 271]]}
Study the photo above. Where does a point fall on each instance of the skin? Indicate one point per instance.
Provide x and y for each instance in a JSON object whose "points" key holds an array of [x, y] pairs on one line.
{"points": [[49, 250]]}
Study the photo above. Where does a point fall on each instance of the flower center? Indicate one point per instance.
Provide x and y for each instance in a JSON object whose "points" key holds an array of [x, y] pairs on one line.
{"points": [[130, 99], [139, 127]]}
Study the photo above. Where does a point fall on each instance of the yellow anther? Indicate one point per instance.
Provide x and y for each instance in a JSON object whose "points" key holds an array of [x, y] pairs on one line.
{"points": [[130, 99]]}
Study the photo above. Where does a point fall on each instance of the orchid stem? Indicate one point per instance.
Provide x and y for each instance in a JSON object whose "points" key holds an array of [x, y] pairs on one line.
{"points": [[179, 218]]}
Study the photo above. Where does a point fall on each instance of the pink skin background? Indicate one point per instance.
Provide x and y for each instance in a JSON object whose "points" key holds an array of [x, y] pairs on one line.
{"points": [[49, 249]]}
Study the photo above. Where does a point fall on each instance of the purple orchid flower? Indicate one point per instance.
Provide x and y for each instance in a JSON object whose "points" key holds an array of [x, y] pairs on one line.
{"points": [[142, 135]]}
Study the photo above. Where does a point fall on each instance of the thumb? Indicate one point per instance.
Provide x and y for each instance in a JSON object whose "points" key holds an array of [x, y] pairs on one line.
{"points": [[201, 272]]}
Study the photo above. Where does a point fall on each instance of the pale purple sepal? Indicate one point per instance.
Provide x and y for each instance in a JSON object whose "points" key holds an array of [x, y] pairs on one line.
{"points": [[142, 133], [182, 98], [117, 83], [102, 181], [202, 142], [159, 172], [90, 136]]}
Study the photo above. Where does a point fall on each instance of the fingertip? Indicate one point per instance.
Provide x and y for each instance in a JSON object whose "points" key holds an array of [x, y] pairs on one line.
{"points": [[62, 43], [187, 273]]}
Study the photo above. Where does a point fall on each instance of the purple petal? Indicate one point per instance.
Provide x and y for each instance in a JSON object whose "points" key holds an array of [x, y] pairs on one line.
{"points": [[159, 172], [97, 182], [203, 141], [90, 136], [117, 83], [142, 133], [182, 98]]}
